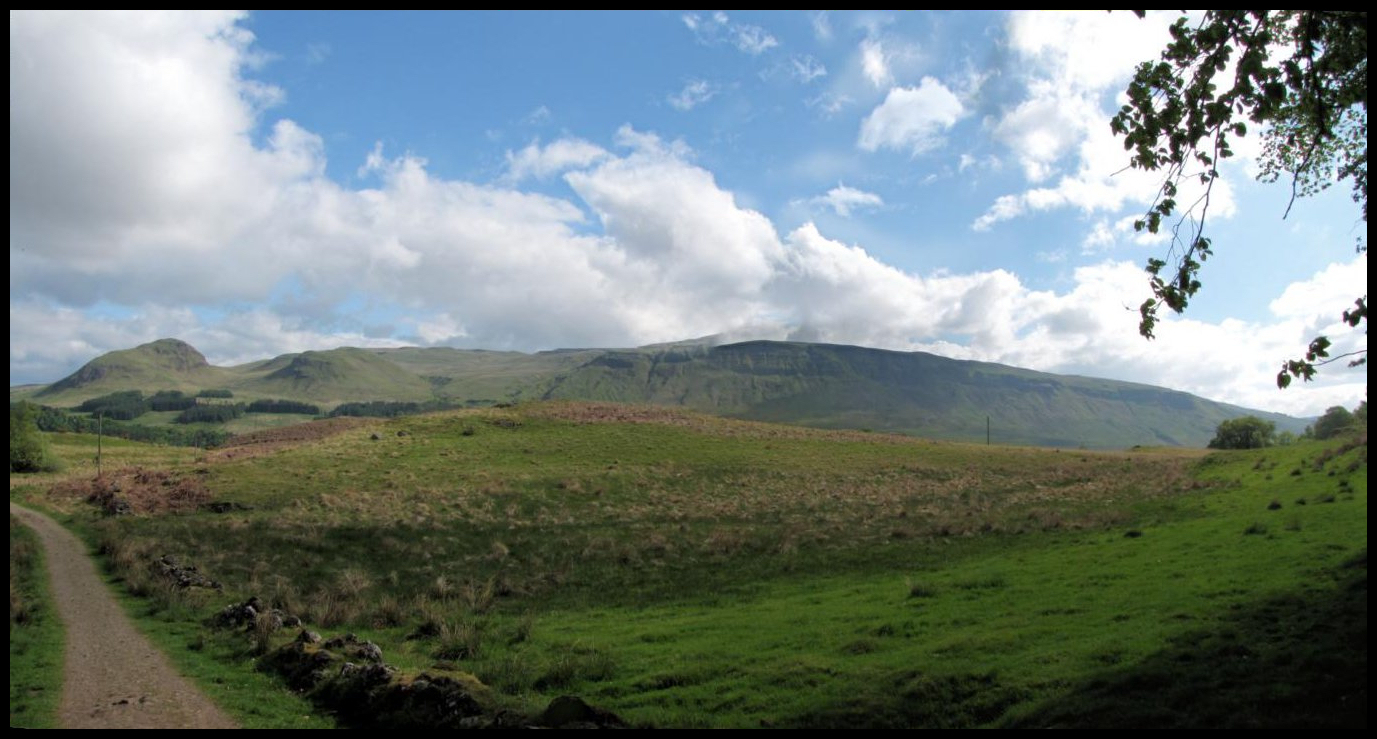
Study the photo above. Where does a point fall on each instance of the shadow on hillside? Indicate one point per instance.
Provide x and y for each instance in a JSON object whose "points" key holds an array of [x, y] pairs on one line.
{"points": [[1295, 660]]}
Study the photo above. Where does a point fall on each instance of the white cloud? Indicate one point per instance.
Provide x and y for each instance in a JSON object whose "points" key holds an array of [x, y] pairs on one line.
{"points": [[537, 117], [239, 337], [1068, 64], [719, 29], [685, 241], [137, 215], [1087, 50], [545, 162], [806, 69], [830, 103], [844, 200], [874, 64], [695, 93], [1324, 296], [753, 40], [911, 118], [1043, 128], [1100, 238], [1102, 184]]}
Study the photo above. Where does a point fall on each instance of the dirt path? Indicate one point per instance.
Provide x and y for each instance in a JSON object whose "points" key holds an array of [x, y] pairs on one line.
{"points": [[113, 678]]}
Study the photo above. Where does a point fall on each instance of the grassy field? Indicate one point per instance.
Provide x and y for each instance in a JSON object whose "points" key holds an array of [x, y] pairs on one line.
{"points": [[35, 636], [685, 570]]}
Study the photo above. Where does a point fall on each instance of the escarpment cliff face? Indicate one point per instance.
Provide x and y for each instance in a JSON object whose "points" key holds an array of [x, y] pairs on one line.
{"points": [[915, 393]]}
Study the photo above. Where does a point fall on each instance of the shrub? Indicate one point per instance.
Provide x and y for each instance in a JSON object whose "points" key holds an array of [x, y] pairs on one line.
{"points": [[29, 451]]}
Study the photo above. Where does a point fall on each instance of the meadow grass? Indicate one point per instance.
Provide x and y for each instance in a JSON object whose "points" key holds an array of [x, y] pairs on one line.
{"points": [[684, 570], [35, 635]]}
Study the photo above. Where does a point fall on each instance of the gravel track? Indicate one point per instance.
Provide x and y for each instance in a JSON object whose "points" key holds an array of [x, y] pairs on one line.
{"points": [[113, 677]]}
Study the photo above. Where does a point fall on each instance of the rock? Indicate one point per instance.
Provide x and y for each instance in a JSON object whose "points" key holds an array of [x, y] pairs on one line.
{"points": [[335, 642], [572, 712], [304, 665], [226, 506], [369, 652], [183, 576], [246, 614]]}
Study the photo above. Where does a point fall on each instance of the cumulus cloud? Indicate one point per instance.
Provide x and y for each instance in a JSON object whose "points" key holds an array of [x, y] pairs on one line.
{"points": [[1068, 64], [558, 156], [843, 200], [1045, 127], [135, 215], [1087, 51], [694, 93], [911, 118], [243, 336], [1102, 184]]}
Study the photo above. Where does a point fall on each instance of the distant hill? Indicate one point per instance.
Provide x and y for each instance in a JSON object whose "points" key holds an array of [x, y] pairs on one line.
{"points": [[915, 393], [338, 376], [821, 385], [165, 364]]}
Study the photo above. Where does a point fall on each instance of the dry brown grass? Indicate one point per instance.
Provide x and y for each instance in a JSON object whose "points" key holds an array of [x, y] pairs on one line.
{"points": [[145, 490], [286, 437]]}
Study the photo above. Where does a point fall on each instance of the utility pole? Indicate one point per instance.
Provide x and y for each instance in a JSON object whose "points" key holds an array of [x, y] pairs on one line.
{"points": [[987, 430], [99, 416]]}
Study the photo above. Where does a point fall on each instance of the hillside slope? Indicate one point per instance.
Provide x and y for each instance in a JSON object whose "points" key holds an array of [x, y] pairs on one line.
{"points": [[337, 376], [914, 393], [165, 364]]}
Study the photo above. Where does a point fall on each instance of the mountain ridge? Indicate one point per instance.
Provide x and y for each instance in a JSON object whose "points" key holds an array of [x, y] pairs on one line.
{"points": [[821, 385]]}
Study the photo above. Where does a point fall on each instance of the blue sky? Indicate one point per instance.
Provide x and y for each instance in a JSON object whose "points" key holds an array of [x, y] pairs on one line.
{"points": [[271, 182]]}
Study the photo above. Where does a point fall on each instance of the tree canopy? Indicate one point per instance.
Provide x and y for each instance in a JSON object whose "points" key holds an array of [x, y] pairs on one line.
{"points": [[1301, 75], [1335, 421], [1248, 432]]}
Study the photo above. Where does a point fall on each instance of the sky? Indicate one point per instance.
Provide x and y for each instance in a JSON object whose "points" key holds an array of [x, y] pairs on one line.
{"points": [[264, 183]]}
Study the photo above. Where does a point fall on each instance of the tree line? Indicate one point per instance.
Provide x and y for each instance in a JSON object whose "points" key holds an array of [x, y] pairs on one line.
{"points": [[1251, 432], [26, 419]]}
